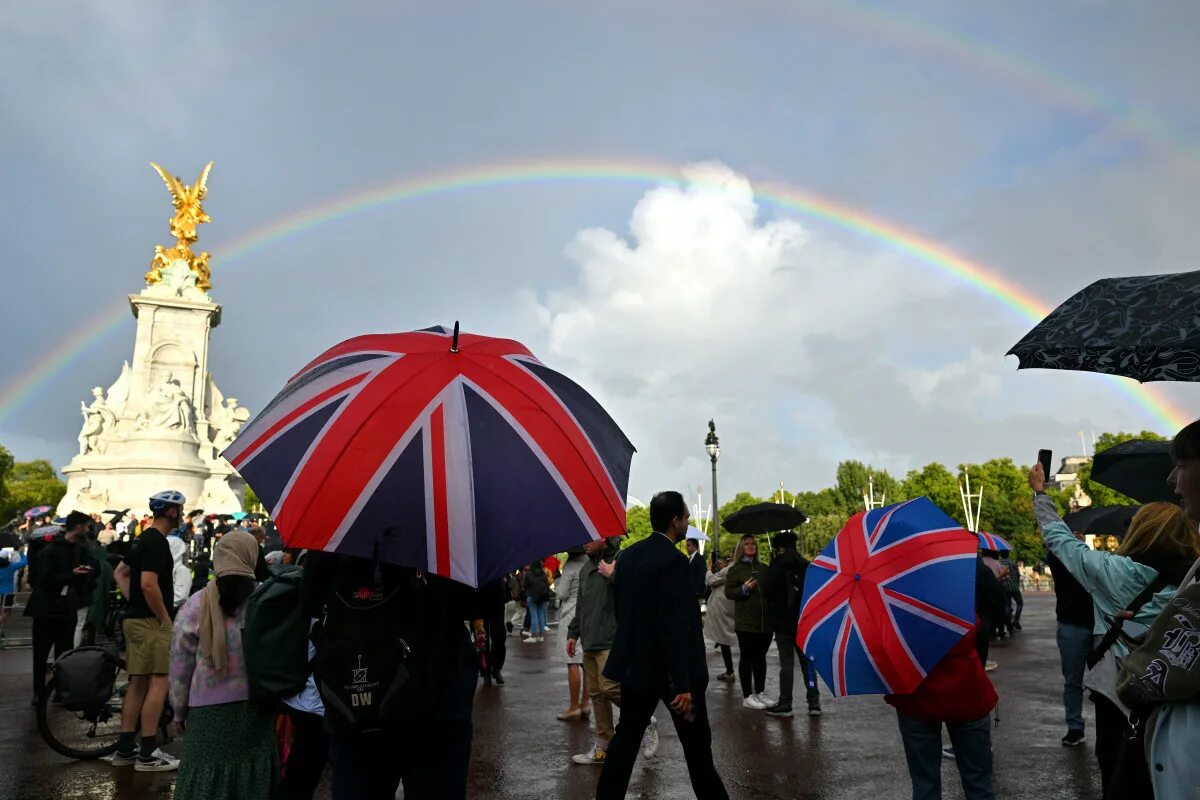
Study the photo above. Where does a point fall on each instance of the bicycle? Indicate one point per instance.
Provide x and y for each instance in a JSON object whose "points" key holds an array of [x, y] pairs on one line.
{"points": [[89, 733]]}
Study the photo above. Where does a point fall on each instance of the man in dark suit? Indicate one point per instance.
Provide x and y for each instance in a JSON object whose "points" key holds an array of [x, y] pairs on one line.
{"points": [[696, 568], [658, 654]]}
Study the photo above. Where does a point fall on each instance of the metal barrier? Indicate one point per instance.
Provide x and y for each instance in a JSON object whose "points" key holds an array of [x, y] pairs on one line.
{"points": [[16, 629]]}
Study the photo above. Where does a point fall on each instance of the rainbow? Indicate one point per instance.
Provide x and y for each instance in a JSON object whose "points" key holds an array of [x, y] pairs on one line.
{"points": [[552, 171], [920, 35]]}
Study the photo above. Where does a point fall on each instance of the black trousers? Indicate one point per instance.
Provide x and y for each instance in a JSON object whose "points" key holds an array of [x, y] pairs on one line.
{"points": [[752, 661], [50, 632], [789, 653], [982, 643], [497, 633], [1110, 727], [307, 758], [695, 736], [430, 759]]}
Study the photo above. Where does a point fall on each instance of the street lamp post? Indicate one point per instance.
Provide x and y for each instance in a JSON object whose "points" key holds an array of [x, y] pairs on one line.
{"points": [[713, 447]]}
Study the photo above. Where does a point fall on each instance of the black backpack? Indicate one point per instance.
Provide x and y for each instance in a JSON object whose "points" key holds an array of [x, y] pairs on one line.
{"points": [[275, 636], [381, 648]]}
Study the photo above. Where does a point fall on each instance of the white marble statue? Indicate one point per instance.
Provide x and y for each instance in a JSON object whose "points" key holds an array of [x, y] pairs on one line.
{"points": [[226, 422], [98, 420], [172, 409]]}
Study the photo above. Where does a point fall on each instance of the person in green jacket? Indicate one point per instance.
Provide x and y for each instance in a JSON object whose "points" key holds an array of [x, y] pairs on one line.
{"points": [[751, 621], [1160, 545]]}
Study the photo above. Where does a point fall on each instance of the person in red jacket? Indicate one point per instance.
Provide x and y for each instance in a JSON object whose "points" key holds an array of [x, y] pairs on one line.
{"points": [[958, 694]]}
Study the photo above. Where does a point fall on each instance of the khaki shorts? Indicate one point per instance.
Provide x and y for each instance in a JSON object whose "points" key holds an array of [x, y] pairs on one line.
{"points": [[147, 647]]}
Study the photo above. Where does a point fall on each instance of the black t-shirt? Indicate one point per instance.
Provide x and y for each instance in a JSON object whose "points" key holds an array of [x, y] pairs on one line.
{"points": [[150, 553], [1072, 603]]}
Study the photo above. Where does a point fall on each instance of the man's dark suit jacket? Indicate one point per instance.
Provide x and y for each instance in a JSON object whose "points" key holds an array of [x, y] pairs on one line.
{"points": [[659, 646], [697, 570]]}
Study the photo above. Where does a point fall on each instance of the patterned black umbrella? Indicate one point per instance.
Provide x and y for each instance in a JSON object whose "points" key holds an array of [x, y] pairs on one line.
{"points": [[1138, 469], [1146, 328]]}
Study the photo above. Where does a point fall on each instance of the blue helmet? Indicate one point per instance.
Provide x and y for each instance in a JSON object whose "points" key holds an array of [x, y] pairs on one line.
{"points": [[164, 500]]}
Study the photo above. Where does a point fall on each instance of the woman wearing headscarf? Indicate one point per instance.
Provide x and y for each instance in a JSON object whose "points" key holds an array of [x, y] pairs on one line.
{"points": [[229, 750], [1157, 551]]}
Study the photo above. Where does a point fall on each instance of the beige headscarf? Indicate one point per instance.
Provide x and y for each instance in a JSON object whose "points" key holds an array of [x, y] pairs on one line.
{"points": [[236, 554]]}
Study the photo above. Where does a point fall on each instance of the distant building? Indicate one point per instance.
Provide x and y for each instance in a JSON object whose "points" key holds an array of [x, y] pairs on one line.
{"points": [[1067, 477]]}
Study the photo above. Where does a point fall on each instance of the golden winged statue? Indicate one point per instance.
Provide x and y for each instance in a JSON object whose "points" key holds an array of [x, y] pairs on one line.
{"points": [[189, 214]]}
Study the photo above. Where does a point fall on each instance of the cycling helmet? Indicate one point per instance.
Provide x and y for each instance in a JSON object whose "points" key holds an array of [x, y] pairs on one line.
{"points": [[163, 500]]}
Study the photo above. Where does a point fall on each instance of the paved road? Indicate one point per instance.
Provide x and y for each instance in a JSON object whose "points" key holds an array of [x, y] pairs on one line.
{"points": [[522, 752]]}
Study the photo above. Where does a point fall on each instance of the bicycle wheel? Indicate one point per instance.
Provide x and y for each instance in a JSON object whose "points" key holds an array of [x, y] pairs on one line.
{"points": [[79, 734]]}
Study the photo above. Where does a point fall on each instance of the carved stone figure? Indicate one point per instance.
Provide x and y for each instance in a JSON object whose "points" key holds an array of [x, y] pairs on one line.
{"points": [[97, 420], [172, 408], [227, 422], [87, 496]]}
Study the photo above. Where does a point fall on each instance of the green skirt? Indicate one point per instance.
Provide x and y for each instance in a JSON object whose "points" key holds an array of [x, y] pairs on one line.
{"points": [[229, 751]]}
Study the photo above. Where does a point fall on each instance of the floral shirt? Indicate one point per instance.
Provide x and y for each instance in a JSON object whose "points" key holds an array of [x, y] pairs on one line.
{"points": [[194, 680]]}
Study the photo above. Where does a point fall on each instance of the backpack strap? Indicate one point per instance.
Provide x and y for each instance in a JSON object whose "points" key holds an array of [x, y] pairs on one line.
{"points": [[1114, 630]]}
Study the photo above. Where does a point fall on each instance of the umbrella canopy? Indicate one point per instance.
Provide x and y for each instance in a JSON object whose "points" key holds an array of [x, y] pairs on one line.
{"points": [[1138, 469], [990, 541], [763, 518], [1102, 520], [888, 598], [1146, 328], [462, 456], [37, 511], [695, 533]]}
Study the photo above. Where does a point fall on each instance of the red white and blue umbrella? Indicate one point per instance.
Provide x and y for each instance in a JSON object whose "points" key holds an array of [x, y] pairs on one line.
{"points": [[37, 511], [990, 541], [462, 456], [888, 598]]}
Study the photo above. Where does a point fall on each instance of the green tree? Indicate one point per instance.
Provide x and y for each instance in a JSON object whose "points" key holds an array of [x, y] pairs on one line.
{"points": [[815, 504], [853, 478], [935, 482], [31, 483], [251, 502], [637, 525], [6, 465], [818, 532]]}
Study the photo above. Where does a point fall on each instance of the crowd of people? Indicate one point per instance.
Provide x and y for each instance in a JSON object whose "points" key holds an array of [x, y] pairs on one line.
{"points": [[634, 626]]}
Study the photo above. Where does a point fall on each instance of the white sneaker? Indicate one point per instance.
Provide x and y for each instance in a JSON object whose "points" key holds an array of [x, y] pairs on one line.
{"points": [[595, 757], [766, 701], [530, 640], [753, 702], [990, 665], [158, 762], [650, 739]]}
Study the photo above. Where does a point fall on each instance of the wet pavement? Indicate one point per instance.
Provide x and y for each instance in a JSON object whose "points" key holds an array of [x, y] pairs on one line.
{"points": [[521, 751]]}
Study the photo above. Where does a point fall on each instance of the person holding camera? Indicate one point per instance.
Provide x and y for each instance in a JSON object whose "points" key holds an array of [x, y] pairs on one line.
{"points": [[61, 575], [751, 622]]}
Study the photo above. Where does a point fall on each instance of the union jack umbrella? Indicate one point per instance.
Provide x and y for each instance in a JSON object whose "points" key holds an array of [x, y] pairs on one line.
{"points": [[887, 598], [990, 541], [462, 456]]}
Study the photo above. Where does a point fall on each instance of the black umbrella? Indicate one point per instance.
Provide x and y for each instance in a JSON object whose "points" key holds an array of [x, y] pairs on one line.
{"points": [[1102, 520], [1146, 328], [763, 518], [1138, 469]]}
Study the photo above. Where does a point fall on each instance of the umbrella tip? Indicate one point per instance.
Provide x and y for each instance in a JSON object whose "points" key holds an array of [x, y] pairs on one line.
{"points": [[454, 344]]}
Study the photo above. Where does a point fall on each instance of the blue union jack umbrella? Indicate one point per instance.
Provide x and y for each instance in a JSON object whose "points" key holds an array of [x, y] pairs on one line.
{"points": [[462, 456], [990, 541], [887, 598]]}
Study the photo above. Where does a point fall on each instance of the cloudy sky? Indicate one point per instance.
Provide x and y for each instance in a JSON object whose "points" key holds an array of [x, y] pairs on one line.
{"points": [[1045, 141]]}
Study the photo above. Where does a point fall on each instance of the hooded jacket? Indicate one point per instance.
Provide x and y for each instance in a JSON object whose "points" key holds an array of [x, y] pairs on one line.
{"points": [[595, 622]]}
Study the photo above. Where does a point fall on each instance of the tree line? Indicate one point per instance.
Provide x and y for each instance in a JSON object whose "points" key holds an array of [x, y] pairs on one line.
{"points": [[1007, 508]]}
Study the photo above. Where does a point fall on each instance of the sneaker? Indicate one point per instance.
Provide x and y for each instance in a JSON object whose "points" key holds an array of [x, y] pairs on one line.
{"points": [[728, 677], [530, 640], [595, 757], [814, 709], [780, 710], [990, 665], [766, 701], [157, 762], [753, 702], [1017, 624], [123, 759], [948, 752], [541, 638], [498, 678], [1073, 738], [650, 739]]}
